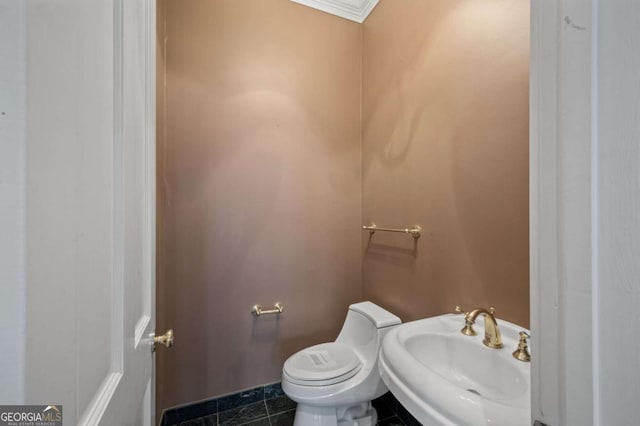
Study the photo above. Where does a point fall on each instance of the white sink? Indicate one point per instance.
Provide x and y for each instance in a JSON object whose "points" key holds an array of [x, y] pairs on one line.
{"points": [[446, 378]]}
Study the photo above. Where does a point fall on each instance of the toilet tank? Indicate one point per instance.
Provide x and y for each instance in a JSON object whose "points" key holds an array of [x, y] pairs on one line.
{"points": [[365, 327]]}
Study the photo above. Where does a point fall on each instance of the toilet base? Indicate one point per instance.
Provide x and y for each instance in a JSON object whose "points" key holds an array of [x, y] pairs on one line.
{"points": [[356, 415]]}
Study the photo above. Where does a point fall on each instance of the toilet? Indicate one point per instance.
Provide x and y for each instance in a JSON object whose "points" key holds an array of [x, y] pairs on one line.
{"points": [[334, 383]]}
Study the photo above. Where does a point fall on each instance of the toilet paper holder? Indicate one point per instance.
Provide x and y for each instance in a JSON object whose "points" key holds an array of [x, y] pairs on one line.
{"points": [[277, 309]]}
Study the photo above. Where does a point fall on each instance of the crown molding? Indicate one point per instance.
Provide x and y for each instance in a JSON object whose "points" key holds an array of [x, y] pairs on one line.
{"points": [[354, 10]]}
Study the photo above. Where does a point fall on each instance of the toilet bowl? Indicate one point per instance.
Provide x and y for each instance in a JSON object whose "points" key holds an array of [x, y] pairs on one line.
{"points": [[334, 383]]}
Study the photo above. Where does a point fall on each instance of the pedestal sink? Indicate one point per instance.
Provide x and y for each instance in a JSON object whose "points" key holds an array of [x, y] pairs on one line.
{"points": [[446, 378]]}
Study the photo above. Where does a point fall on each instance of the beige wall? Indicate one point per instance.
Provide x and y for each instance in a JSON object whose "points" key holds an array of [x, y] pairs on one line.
{"points": [[259, 189], [445, 146], [259, 175]]}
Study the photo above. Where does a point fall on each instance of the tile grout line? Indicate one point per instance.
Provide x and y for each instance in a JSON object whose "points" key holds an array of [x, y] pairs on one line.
{"points": [[264, 401]]}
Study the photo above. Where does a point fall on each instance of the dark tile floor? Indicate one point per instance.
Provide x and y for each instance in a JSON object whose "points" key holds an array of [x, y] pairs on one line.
{"points": [[391, 412], [391, 421], [267, 406], [255, 414]]}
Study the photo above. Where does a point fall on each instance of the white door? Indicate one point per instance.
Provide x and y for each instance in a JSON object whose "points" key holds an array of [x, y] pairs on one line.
{"points": [[90, 209]]}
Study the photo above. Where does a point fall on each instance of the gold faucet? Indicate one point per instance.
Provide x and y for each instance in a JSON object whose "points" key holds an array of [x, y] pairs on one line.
{"points": [[492, 337]]}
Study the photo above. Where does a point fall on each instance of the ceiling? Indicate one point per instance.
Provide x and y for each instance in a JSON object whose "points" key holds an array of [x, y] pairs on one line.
{"points": [[355, 10]]}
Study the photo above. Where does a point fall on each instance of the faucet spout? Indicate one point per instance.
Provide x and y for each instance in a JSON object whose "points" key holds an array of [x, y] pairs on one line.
{"points": [[492, 337]]}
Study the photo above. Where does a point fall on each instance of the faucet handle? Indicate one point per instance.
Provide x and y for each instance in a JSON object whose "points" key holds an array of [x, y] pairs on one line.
{"points": [[459, 310], [468, 324], [522, 353]]}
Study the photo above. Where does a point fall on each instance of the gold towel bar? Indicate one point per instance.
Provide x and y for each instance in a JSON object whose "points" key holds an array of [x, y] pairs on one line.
{"points": [[257, 309], [414, 232]]}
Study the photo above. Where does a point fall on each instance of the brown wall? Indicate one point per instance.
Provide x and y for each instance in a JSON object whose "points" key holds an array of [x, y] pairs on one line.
{"points": [[259, 175], [445, 146], [259, 189]]}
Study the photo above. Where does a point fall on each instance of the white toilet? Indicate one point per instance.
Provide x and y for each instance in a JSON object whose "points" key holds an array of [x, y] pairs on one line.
{"points": [[334, 383]]}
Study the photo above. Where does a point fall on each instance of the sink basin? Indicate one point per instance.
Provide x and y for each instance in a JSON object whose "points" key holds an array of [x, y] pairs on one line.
{"points": [[446, 378]]}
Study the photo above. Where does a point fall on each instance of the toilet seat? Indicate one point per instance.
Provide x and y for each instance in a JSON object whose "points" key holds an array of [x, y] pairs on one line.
{"points": [[322, 365]]}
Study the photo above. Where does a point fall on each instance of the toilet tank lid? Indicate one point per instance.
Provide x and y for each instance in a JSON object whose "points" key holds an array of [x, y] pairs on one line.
{"points": [[378, 316]]}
